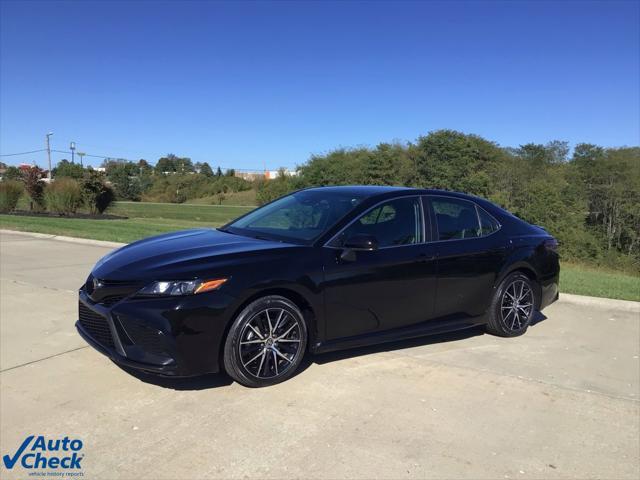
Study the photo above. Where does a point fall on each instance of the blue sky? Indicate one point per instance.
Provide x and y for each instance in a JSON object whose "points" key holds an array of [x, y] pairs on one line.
{"points": [[250, 84]]}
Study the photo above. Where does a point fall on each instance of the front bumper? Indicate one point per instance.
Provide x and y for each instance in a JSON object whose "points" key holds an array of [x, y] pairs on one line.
{"points": [[177, 336]]}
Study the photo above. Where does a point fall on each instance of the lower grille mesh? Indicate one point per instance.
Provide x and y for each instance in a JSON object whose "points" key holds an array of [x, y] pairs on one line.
{"points": [[95, 325], [148, 338]]}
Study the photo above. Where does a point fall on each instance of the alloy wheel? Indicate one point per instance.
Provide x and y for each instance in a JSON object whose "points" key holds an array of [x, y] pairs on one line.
{"points": [[516, 305], [270, 343]]}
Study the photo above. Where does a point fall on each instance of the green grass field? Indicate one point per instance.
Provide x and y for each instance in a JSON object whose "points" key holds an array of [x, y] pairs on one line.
{"points": [[583, 280], [146, 219]]}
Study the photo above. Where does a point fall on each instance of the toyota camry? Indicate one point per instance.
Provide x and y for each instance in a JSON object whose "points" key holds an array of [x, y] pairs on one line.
{"points": [[318, 270]]}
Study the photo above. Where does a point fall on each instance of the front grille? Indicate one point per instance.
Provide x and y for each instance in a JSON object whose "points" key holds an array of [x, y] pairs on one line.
{"points": [[109, 292], [111, 300], [149, 339], [95, 325]]}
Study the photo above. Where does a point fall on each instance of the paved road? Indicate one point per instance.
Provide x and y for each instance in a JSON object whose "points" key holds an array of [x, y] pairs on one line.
{"points": [[560, 402]]}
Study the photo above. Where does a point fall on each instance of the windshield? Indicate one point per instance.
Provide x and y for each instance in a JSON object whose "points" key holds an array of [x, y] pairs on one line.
{"points": [[298, 218]]}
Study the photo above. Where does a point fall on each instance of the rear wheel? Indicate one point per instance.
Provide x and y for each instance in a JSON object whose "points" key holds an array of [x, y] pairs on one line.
{"points": [[513, 306], [266, 342]]}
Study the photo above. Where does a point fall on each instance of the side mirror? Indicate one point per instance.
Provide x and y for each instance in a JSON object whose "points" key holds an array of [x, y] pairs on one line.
{"points": [[361, 242], [355, 243]]}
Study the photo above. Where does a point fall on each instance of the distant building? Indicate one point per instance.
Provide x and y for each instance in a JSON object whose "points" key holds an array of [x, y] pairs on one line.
{"points": [[267, 174], [250, 176]]}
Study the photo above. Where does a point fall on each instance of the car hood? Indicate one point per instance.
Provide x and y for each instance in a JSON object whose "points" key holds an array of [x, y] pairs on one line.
{"points": [[178, 255]]}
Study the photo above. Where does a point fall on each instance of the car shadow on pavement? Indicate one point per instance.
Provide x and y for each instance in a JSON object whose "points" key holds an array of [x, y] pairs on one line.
{"points": [[215, 380]]}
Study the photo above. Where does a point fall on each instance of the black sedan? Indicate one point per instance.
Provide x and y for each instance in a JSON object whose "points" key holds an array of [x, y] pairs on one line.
{"points": [[318, 270]]}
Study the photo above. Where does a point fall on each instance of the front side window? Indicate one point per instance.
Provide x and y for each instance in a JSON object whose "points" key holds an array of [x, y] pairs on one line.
{"points": [[456, 219], [393, 223]]}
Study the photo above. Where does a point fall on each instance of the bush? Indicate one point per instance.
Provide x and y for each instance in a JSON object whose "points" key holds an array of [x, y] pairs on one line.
{"points": [[269, 190], [34, 185], [12, 173], [10, 192], [96, 195], [63, 196], [126, 185], [67, 169]]}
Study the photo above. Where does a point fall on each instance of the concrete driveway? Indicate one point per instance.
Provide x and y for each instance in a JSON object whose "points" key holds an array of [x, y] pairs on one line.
{"points": [[560, 402]]}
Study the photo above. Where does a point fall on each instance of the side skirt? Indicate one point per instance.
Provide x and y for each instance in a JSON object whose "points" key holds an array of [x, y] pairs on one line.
{"points": [[432, 327]]}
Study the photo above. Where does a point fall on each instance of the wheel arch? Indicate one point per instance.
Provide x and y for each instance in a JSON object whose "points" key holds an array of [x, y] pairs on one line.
{"points": [[527, 270], [309, 314]]}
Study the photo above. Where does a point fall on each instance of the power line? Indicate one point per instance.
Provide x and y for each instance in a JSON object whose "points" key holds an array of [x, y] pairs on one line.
{"points": [[96, 156], [21, 153]]}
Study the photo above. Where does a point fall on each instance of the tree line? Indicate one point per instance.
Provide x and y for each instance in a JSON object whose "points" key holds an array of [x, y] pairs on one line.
{"points": [[589, 199]]}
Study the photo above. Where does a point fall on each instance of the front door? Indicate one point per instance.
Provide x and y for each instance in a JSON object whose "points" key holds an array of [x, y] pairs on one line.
{"points": [[390, 287]]}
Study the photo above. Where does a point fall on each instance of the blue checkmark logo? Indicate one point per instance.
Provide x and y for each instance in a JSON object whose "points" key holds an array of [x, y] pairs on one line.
{"points": [[10, 462]]}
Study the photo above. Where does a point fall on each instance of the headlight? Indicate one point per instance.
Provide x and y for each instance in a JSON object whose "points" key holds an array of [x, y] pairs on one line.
{"points": [[181, 287]]}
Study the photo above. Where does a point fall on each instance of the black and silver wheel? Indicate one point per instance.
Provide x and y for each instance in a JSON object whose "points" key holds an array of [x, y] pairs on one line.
{"points": [[266, 342], [513, 306]]}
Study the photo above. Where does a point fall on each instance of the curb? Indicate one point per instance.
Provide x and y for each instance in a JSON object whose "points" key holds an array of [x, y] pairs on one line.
{"points": [[62, 238], [597, 302]]}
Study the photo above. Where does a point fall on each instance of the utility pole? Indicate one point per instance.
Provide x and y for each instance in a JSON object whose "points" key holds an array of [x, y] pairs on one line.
{"points": [[49, 154], [72, 147], [81, 154]]}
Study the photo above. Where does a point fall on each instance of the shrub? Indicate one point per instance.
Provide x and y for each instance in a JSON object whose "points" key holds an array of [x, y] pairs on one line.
{"points": [[126, 185], [63, 196], [10, 192], [269, 190], [12, 173], [34, 185], [67, 169], [96, 195]]}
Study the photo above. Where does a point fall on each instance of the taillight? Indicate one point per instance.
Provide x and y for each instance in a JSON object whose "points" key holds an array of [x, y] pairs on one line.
{"points": [[551, 244]]}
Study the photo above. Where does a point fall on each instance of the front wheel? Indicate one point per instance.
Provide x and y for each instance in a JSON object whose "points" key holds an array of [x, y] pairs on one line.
{"points": [[513, 306], [266, 342]]}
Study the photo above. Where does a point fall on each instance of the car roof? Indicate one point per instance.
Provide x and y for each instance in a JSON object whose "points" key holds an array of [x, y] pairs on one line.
{"points": [[375, 190], [374, 193], [361, 190]]}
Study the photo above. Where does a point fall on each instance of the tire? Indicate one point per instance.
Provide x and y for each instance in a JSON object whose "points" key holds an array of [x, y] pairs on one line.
{"points": [[513, 306], [266, 342]]}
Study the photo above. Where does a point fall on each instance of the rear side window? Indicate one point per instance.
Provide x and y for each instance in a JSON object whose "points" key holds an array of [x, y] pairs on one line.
{"points": [[488, 224], [456, 219]]}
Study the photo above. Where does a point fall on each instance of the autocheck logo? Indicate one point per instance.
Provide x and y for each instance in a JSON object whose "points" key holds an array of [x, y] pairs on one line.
{"points": [[38, 452]]}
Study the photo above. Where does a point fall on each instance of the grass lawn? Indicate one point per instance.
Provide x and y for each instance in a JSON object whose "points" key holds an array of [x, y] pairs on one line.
{"points": [[583, 280], [247, 197], [212, 214], [146, 219]]}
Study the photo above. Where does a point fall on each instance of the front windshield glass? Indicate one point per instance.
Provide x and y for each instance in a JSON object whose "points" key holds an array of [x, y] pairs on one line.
{"points": [[300, 217]]}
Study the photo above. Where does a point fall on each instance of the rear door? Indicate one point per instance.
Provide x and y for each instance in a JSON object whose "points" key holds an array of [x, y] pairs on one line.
{"points": [[470, 248]]}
